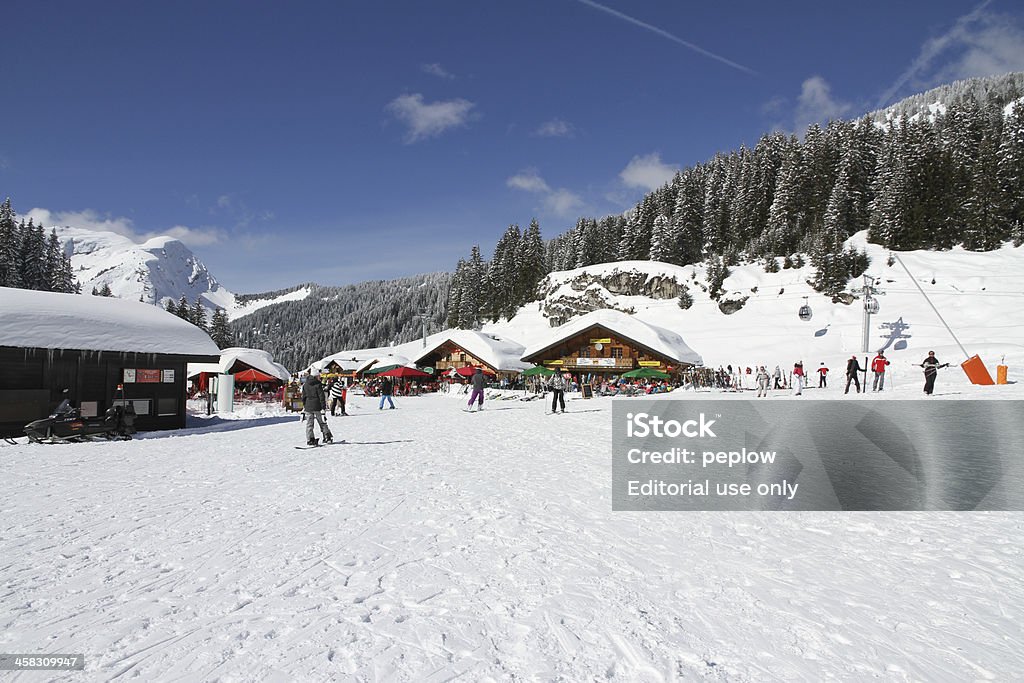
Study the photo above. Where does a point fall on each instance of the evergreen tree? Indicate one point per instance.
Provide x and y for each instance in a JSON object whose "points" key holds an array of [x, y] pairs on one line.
{"points": [[10, 247], [197, 315], [1011, 168], [104, 290], [219, 330], [183, 311]]}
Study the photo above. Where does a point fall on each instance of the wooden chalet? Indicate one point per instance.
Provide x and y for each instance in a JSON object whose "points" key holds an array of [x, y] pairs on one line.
{"points": [[89, 345], [609, 342]]}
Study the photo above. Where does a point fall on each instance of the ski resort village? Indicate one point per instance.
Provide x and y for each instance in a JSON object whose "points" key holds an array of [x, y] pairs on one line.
{"points": [[332, 361]]}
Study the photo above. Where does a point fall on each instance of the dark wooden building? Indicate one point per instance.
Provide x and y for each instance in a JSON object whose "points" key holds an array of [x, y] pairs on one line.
{"points": [[90, 345], [608, 342]]}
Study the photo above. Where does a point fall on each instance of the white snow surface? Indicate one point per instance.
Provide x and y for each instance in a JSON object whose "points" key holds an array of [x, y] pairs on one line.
{"points": [[49, 320], [435, 545]]}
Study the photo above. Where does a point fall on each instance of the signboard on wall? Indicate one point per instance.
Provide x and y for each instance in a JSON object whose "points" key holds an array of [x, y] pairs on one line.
{"points": [[596, 362], [143, 375], [129, 375], [167, 376], [604, 340], [650, 363]]}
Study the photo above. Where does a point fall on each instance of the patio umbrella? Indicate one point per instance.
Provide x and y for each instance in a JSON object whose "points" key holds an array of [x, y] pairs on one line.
{"points": [[252, 375], [404, 372], [382, 369], [640, 373], [469, 371], [538, 370]]}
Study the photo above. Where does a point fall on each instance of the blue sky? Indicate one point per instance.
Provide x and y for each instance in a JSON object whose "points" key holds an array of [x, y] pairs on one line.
{"points": [[338, 142]]}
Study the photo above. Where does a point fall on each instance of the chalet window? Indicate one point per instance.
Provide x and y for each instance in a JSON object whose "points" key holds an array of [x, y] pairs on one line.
{"points": [[584, 352], [616, 352], [167, 406]]}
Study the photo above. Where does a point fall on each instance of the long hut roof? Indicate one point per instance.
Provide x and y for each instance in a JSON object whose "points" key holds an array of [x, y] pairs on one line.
{"points": [[49, 320], [651, 337]]}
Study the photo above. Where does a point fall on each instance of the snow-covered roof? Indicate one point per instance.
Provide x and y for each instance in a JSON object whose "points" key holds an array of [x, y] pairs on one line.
{"points": [[498, 352], [254, 358], [49, 320], [358, 361], [664, 342]]}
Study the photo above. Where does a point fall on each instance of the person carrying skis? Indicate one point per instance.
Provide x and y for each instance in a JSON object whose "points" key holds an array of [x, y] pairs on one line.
{"points": [[762, 382], [878, 364], [853, 368], [931, 369], [798, 382], [386, 389], [478, 382], [822, 376], [557, 385], [314, 403]]}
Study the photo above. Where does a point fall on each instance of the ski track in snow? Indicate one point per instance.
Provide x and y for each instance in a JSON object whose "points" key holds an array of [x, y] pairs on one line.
{"points": [[435, 546]]}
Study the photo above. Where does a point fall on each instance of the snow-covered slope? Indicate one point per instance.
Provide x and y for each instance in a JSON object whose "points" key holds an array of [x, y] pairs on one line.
{"points": [[979, 294], [154, 272]]}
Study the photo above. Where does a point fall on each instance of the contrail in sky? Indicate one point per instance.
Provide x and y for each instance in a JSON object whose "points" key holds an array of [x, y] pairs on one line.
{"points": [[931, 50], [666, 34]]}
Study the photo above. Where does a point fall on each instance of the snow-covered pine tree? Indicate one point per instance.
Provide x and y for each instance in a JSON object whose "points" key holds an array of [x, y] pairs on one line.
{"points": [[10, 247], [220, 333], [197, 315]]}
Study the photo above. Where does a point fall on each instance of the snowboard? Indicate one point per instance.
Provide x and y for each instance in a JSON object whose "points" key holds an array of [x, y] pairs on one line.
{"points": [[318, 445]]}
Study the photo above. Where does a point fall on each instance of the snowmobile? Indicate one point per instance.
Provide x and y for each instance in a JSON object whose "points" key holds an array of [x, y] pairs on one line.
{"points": [[67, 424]]}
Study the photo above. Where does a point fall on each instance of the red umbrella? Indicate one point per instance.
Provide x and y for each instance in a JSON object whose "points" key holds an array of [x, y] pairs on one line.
{"points": [[469, 371], [252, 375], [406, 372]]}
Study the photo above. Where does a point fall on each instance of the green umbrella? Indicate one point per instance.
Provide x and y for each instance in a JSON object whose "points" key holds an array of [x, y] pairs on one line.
{"points": [[381, 368], [538, 370], [646, 372]]}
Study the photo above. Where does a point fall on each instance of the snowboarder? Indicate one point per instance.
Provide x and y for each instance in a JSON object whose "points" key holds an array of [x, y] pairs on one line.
{"points": [[314, 404], [798, 373], [386, 389], [762, 382], [822, 376], [931, 369], [478, 382], [878, 364], [557, 385], [853, 368]]}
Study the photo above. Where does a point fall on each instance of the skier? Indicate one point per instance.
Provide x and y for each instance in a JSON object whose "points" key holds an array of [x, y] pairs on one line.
{"points": [[798, 384], [478, 383], [822, 376], [386, 389], [778, 377], [853, 368], [931, 369], [557, 385], [878, 367], [337, 393], [314, 402], [762, 382]]}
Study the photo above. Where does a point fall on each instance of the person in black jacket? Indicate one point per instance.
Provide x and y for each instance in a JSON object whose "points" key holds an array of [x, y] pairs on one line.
{"points": [[314, 403], [853, 368], [931, 369]]}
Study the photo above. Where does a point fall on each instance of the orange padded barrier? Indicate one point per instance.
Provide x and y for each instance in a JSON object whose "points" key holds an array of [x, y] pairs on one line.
{"points": [[976, 371]]}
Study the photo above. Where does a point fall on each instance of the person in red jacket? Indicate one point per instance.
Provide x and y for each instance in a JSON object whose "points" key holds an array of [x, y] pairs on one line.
{"points": [[798, 378], [878, 367], [822, 376]]}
